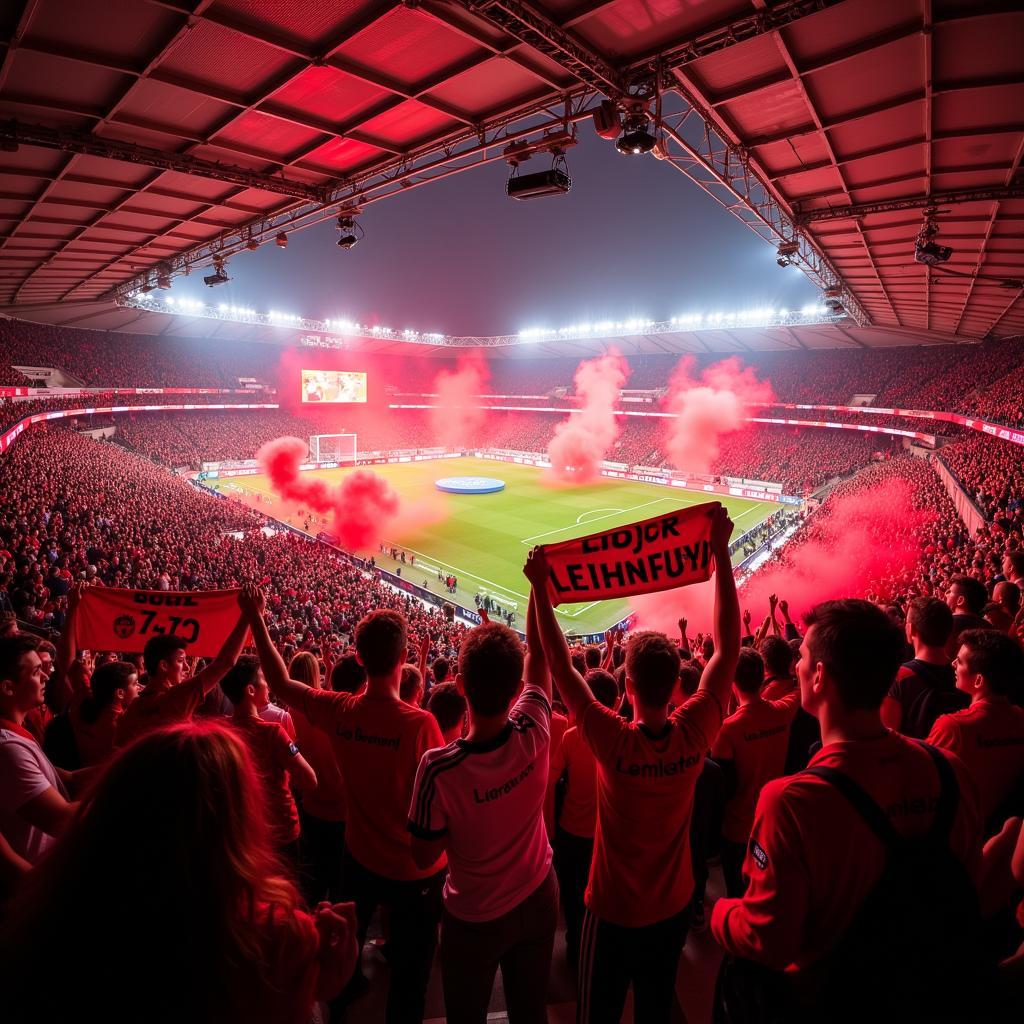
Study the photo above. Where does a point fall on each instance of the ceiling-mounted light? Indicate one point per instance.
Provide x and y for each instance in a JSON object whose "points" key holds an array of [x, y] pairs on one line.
{"points": [[636, 138], [350, 231], [163, 281], [281, 240], [787, 253], [219, 275]]}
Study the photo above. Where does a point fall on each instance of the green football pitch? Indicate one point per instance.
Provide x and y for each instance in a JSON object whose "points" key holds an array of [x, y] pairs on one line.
{"points": [[483, 539]]}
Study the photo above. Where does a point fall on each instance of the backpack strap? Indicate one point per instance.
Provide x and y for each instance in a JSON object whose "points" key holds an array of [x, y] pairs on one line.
{"points": [[873, 815], [949, 794]]}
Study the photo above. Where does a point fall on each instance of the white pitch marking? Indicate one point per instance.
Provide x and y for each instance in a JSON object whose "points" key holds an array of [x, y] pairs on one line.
{"points": [[615, 511], [562, 529]]}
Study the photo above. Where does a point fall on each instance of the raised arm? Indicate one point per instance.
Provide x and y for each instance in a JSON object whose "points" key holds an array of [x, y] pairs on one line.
{"points": [[773, 601], [536, 672], [718, 674], [424, 654], [253, 602], [684, 643], [226, 656], [60, 689], [571, 685]]}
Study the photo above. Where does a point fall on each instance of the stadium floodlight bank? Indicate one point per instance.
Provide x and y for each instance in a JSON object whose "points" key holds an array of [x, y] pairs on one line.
{"points": [[337, 448]]}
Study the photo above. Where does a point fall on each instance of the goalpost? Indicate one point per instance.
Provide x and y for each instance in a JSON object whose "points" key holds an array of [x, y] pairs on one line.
{"points": [[339, 448]]}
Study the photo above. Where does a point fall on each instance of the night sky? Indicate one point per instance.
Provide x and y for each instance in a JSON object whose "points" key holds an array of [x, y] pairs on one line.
{"points": [[634, 237]]}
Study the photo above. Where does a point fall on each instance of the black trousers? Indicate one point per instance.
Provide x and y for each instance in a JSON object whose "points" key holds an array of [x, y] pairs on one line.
{"points": [[415, 910], [519, 942], [321, 848], [572, 856], [613, 957], [733, 855]]}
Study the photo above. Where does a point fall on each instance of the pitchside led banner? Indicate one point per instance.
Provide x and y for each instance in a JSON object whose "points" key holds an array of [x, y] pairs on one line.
{"points": [[110, 619], [662, 553]]}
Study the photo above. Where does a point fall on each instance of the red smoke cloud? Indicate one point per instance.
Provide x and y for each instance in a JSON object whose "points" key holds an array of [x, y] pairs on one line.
{"points": [[364, 504], [580, 443], [455, 421], [863, 543], [707, 408]]}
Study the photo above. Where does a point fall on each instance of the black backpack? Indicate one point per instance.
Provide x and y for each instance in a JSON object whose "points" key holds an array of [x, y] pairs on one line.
{"points": [[914, 951]]}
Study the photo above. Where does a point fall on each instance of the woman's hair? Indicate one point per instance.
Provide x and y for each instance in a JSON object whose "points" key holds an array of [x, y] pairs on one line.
{"points": [[305, 668], [155, 902], [105, 683]]}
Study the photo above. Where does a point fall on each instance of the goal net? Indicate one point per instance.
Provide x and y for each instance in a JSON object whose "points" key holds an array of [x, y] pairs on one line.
{"points": [[339, 448]]}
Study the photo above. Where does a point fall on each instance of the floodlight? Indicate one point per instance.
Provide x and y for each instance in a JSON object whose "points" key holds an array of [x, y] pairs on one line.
{"points": [[219, 275], [281, 240], [163, 281], [787, 252], [637, 141], [350, 231]]}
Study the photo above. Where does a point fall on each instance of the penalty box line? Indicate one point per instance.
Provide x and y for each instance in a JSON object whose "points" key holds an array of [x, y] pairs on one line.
{"points": [[621, 511]]}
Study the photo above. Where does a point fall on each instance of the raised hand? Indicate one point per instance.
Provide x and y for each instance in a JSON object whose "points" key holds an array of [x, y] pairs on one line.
{"points": [[536, 568]]}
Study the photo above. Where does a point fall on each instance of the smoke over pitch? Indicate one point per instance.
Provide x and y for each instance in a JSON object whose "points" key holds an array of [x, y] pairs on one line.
{"points": [[706, 408], [455, 421], [857, 545], [364, 504], [580, 443]]}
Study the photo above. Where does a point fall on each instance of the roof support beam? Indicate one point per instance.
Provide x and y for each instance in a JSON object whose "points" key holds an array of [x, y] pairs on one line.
{"points": [[977, 195], [529, 25], [18, 133]]}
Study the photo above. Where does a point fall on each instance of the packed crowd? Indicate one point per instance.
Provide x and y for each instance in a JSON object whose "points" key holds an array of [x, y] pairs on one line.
{"points": [[281, 797], [983, 380]]}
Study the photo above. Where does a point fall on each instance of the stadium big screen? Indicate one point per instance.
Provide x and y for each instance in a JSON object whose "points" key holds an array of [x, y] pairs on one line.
{"points": [[337, 386]]}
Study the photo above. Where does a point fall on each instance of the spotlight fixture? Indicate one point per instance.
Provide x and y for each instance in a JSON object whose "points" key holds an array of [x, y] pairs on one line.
{"points": [[926, 249], [553, 182], [636, 137], [252, 245], [834, 300], [219, 275], [350, 231], [163, 281], [787, 253], [281, 240], [636, 141]]}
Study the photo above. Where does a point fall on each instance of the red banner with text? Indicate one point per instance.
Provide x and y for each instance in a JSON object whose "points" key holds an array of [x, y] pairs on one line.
{"points": [[124, 620], [662, 553]]}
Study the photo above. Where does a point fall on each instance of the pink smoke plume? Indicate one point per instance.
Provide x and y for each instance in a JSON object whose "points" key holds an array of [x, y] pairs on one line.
{"points": [[580, 443], [364, 504], [455, 419], [707, 408], [862, 544]]}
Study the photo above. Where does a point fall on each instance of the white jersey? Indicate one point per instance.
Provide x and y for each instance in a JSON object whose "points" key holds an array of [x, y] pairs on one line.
{"points": [[25, 773], [488, 799]]}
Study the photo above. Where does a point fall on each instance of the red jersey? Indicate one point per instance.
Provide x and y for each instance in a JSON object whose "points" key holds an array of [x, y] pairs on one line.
{"points": [[755, 739], [579, 809], [559, 723], [326, 802], [812, 859], [989, 738], [641, 871], [272, 751], [155, 708], [378, 743]]}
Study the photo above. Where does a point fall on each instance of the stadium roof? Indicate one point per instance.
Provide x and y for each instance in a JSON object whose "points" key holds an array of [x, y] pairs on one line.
{"points": [[143, 136]]}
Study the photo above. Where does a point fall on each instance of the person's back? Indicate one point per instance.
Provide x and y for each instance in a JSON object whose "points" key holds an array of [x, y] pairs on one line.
{"points": [[481, 800], [925, 687], [813, 859], [641, 878], [925, 691], [988, 736], [751, 750]]}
